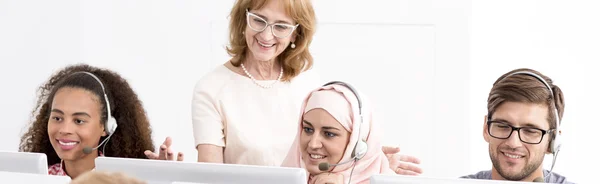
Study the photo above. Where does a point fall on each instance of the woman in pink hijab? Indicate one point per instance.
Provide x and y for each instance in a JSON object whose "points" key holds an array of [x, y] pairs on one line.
{"points": [[328, 134]]}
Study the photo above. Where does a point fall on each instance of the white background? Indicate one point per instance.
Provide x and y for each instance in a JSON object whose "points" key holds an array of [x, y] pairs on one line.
{"points": [[434, 62]]}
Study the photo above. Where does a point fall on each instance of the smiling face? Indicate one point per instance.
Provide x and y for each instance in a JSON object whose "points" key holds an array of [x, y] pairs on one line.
{"points": [[511, 158], [74, 122], [323, 139], [264, 46]]}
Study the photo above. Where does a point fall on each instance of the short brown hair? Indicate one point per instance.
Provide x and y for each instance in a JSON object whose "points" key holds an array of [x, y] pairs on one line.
{"points": [[526, 89], [293, 61]]}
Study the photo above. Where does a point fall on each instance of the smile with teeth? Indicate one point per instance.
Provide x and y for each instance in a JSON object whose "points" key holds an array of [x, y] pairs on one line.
{"points": [[512, 156], [67, 143], [316, 156], [265, 44]]}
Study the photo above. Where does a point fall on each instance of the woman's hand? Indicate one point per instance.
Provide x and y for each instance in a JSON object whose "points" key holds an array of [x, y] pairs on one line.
{"points": [[402, 164], [165, 152]]}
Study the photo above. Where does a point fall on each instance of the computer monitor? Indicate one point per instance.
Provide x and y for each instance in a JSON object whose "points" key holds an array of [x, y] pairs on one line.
{"points": [[23, 162], [28, 178], [166, 172], [402, 179]]}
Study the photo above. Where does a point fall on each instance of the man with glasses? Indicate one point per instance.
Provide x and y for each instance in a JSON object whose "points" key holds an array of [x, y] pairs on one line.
{"points": [[524, 109]]}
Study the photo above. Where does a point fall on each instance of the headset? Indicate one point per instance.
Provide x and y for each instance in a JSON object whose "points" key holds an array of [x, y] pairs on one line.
{"points": [[555, 142], [360, 148], [111, 123]]}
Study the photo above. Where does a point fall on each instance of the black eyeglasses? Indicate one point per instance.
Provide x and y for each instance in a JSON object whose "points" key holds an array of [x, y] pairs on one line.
{"points": [[529, 135]]}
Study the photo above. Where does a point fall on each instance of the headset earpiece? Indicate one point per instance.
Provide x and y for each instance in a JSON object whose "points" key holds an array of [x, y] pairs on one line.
{"points": [[360, 150], [111, 125], [555, 143]]}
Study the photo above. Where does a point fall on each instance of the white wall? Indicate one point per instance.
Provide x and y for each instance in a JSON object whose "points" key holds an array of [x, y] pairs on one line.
{"points": [[164, 47], [559, 39]]}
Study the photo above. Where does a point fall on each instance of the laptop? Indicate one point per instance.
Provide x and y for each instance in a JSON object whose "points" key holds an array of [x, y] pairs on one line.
{"points": [[23, 162], [402, 179], [28, 178], [167, 172]]}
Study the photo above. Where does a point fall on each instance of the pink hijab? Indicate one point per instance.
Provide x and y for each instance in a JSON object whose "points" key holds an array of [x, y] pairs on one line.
{"points": [[342, 104]]}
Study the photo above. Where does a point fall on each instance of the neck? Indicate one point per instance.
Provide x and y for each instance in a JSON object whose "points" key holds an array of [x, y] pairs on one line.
{"points": [[263, 70], [539, 172], [74, 168]]}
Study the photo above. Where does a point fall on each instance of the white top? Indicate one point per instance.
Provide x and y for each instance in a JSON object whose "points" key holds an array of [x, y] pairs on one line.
{"points": [[255, 125]]}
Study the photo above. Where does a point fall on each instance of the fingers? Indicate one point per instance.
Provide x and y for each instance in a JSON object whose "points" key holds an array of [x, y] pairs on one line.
{"points": [[411, 159], [410, 168], [405, 172], [162, 152], [150, 154], [170, 155], [165, 152], [180, 156], [168, 142], [390, 150]]}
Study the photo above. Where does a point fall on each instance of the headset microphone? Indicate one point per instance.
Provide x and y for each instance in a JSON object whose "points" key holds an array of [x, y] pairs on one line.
{"points": [[324, 166], [88, 150]]}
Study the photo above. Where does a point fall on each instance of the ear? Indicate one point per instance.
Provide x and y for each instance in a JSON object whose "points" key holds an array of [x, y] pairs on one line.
{"points": [[293, 38], [486, 136], [103, 130]]}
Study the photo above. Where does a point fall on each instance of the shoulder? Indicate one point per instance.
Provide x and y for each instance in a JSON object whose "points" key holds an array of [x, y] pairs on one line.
{"points": [[215, 76], [214, 80], [555, 177], [479, 175], [307, 81]]}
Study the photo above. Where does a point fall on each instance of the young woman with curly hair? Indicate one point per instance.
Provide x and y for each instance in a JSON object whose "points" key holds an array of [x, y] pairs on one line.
{"points": [[72, 124]]}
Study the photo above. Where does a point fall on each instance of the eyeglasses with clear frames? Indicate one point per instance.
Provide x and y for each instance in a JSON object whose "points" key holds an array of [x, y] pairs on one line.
{"points": [[529, 135], [259, 24]]}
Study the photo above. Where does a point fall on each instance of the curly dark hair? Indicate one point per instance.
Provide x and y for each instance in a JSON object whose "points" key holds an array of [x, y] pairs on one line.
{"points": [[130, 139]]}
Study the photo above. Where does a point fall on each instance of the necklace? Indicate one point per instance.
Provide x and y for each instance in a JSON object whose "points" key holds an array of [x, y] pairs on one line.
{"points": [[256, 82]]}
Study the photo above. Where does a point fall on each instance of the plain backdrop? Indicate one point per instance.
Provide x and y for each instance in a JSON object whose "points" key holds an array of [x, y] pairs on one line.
{"points": [[428, 65]]}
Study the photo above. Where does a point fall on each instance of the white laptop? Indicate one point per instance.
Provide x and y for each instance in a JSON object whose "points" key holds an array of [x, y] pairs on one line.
{"points": [[401, 179], [167, 172], [28, 178], [23, 162]]}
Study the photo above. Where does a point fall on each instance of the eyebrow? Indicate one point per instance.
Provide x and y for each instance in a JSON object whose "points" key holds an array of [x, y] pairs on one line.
{"points": [[524, 125], [74, 114], [57, 111], [325, 127], [81, 114], [267, 19], [307, 122]]}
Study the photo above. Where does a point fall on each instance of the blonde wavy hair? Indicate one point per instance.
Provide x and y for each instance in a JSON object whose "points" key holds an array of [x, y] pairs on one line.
{"points": [[293, 61]]}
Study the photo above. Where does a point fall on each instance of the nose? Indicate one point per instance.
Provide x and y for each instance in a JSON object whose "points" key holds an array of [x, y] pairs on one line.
{"points": [[267, 34], [66, 127], [513, 141], [315, 142]]}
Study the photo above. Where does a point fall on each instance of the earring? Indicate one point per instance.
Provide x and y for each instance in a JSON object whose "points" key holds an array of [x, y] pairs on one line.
{"points": [[293, 45], [243, 32]]}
